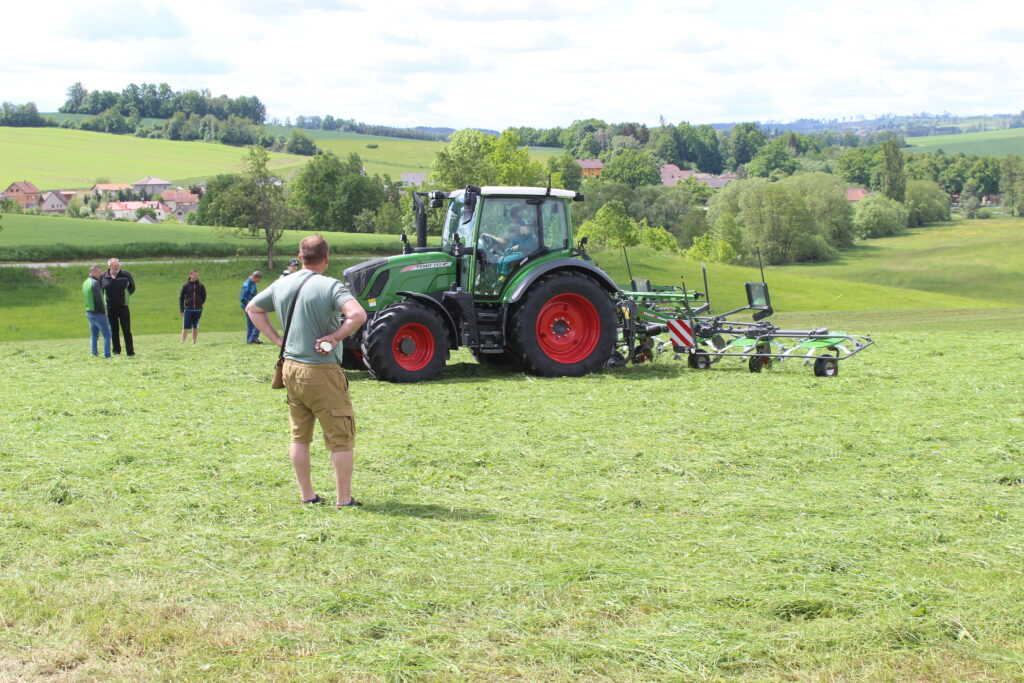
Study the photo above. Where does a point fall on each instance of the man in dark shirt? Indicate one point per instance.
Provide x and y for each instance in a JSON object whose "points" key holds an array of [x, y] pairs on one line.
{"points": [[118, 285], [190, 303]]}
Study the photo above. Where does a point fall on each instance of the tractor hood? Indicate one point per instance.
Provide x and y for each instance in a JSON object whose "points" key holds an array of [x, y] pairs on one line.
{"points": [[377, 282]]}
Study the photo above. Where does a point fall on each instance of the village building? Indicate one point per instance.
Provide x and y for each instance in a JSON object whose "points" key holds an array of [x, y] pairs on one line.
{"points": [[109, 190], [126, 210], [855, 194], [591, 168], [673, 175], [414, 179], [181, 202], [54, 203], [25, 193], [151, 186]]}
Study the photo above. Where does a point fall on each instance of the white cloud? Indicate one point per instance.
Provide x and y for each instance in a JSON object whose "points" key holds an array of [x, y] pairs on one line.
{"points": [[533, 62]]}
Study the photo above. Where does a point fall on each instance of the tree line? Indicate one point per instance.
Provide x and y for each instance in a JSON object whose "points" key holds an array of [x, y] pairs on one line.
{"points": [[352, 126], [149, 100]]}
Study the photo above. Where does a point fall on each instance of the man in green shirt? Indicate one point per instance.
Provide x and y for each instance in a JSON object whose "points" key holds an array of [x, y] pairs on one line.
{"points": [[96, 311], [324, 312]]}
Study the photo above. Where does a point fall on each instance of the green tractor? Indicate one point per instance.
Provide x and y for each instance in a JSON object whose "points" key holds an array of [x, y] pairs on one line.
{"points": [[508, 282]]}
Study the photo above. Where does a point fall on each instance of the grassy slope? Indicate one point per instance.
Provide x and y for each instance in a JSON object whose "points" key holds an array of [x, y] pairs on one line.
{"points": [[663, 524], [25, 230], [909, 274], [993, 143], [55, 158], [980, 259]]}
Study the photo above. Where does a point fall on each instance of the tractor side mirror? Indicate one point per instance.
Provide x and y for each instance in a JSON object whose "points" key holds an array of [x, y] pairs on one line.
{"points": [[758, 299]]}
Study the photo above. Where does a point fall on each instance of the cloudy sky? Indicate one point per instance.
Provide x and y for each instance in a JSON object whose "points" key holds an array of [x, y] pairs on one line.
{"points": [[537, 63]]}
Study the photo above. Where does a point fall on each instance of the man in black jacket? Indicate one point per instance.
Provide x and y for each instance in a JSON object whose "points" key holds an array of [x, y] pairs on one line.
{"points": [[190, 303], [119, 285]]}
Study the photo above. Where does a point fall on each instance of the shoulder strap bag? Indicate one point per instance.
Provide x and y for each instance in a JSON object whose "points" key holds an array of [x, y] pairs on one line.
{"points": [[278, 381]]}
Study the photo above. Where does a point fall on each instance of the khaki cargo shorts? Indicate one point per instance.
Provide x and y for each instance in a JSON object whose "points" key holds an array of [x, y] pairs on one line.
{"points": [[319, 391]]}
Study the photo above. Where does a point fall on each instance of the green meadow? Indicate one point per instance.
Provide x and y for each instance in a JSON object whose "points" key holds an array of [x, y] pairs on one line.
{"points": [[989, 143], [55, 158], [650, 522], [27, 238]]}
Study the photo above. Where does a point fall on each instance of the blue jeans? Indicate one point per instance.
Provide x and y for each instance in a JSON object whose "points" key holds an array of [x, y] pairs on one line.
{"points": [[251, 333], [98, 323]]}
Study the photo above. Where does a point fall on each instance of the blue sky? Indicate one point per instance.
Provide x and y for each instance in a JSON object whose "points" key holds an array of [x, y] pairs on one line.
{"points": [[535, 63]]}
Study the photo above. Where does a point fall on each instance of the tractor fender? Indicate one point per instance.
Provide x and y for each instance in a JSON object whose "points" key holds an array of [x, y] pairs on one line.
{"points": [[588, 269], [446, 316]]}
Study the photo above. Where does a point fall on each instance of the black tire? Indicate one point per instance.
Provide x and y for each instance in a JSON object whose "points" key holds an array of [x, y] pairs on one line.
{"points": [[699, 360], [758, 363], [407, 342], [565, 326], [352, 359], [616, 360], [826, 366]]}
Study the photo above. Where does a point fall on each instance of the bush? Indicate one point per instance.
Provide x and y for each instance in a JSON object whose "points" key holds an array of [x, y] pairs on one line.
{"points": [[984, 213], [878, 216], [925, 202]]}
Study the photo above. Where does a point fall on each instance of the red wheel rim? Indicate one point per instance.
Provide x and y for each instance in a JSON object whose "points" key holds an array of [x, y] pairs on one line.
{"points": [[568, 328], [413, 346]]}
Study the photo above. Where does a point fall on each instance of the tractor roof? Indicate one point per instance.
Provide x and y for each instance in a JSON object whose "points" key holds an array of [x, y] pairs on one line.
{"points": [[507, 191]]}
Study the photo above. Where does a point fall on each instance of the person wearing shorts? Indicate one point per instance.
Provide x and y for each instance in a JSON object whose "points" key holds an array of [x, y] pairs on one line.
{"points": [[324, 311], [190, 303]]}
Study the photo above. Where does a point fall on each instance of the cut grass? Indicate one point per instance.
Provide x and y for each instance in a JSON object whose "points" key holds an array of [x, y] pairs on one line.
{"points": [[661, 524]]}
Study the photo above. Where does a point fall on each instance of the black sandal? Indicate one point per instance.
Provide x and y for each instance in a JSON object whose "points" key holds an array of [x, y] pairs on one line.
{"points": [[315, 500], [352, 502]]}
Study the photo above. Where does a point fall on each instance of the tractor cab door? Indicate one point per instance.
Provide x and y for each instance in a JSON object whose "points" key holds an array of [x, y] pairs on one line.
{"points": [[511, 230]]}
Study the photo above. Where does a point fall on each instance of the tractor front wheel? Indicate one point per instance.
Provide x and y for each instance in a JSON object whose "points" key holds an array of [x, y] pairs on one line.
{"points": [[407, 342], [565, 326]]}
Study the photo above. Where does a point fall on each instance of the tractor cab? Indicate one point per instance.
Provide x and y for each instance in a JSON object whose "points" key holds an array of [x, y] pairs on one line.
{"points": [[501, 230]]}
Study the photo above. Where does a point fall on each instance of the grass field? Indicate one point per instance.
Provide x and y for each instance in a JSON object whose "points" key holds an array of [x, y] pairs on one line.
{"points": [[647, 523], [56, 238], [55, 158], [906, 273], [990, 143]]}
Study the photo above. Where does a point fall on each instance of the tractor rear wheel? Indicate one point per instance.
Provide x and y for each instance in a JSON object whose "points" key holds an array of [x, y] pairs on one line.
{"points": [[407, 342], [565, 326]]}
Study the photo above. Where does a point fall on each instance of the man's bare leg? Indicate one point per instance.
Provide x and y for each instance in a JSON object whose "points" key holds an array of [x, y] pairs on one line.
{"points": [[299, 453], [184, 333], [195, 334], [342, 461]]}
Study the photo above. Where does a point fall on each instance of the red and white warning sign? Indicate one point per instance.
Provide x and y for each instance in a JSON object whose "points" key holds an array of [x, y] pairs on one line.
{"points": [[681, 333]]}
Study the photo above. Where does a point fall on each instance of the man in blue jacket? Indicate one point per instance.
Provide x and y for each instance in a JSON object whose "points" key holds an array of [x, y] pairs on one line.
{"points": [[252, 335]]}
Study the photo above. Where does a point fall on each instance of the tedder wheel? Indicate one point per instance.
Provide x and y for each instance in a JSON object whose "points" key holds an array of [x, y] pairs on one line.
{"points": [[565, 325], [407, 342], [826, 366], [757, 363], [699, 360]]}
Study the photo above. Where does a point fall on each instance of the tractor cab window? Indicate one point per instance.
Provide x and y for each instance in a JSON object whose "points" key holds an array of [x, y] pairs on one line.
{"points": [[556, 233], [453, 225], [510, 231]]}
